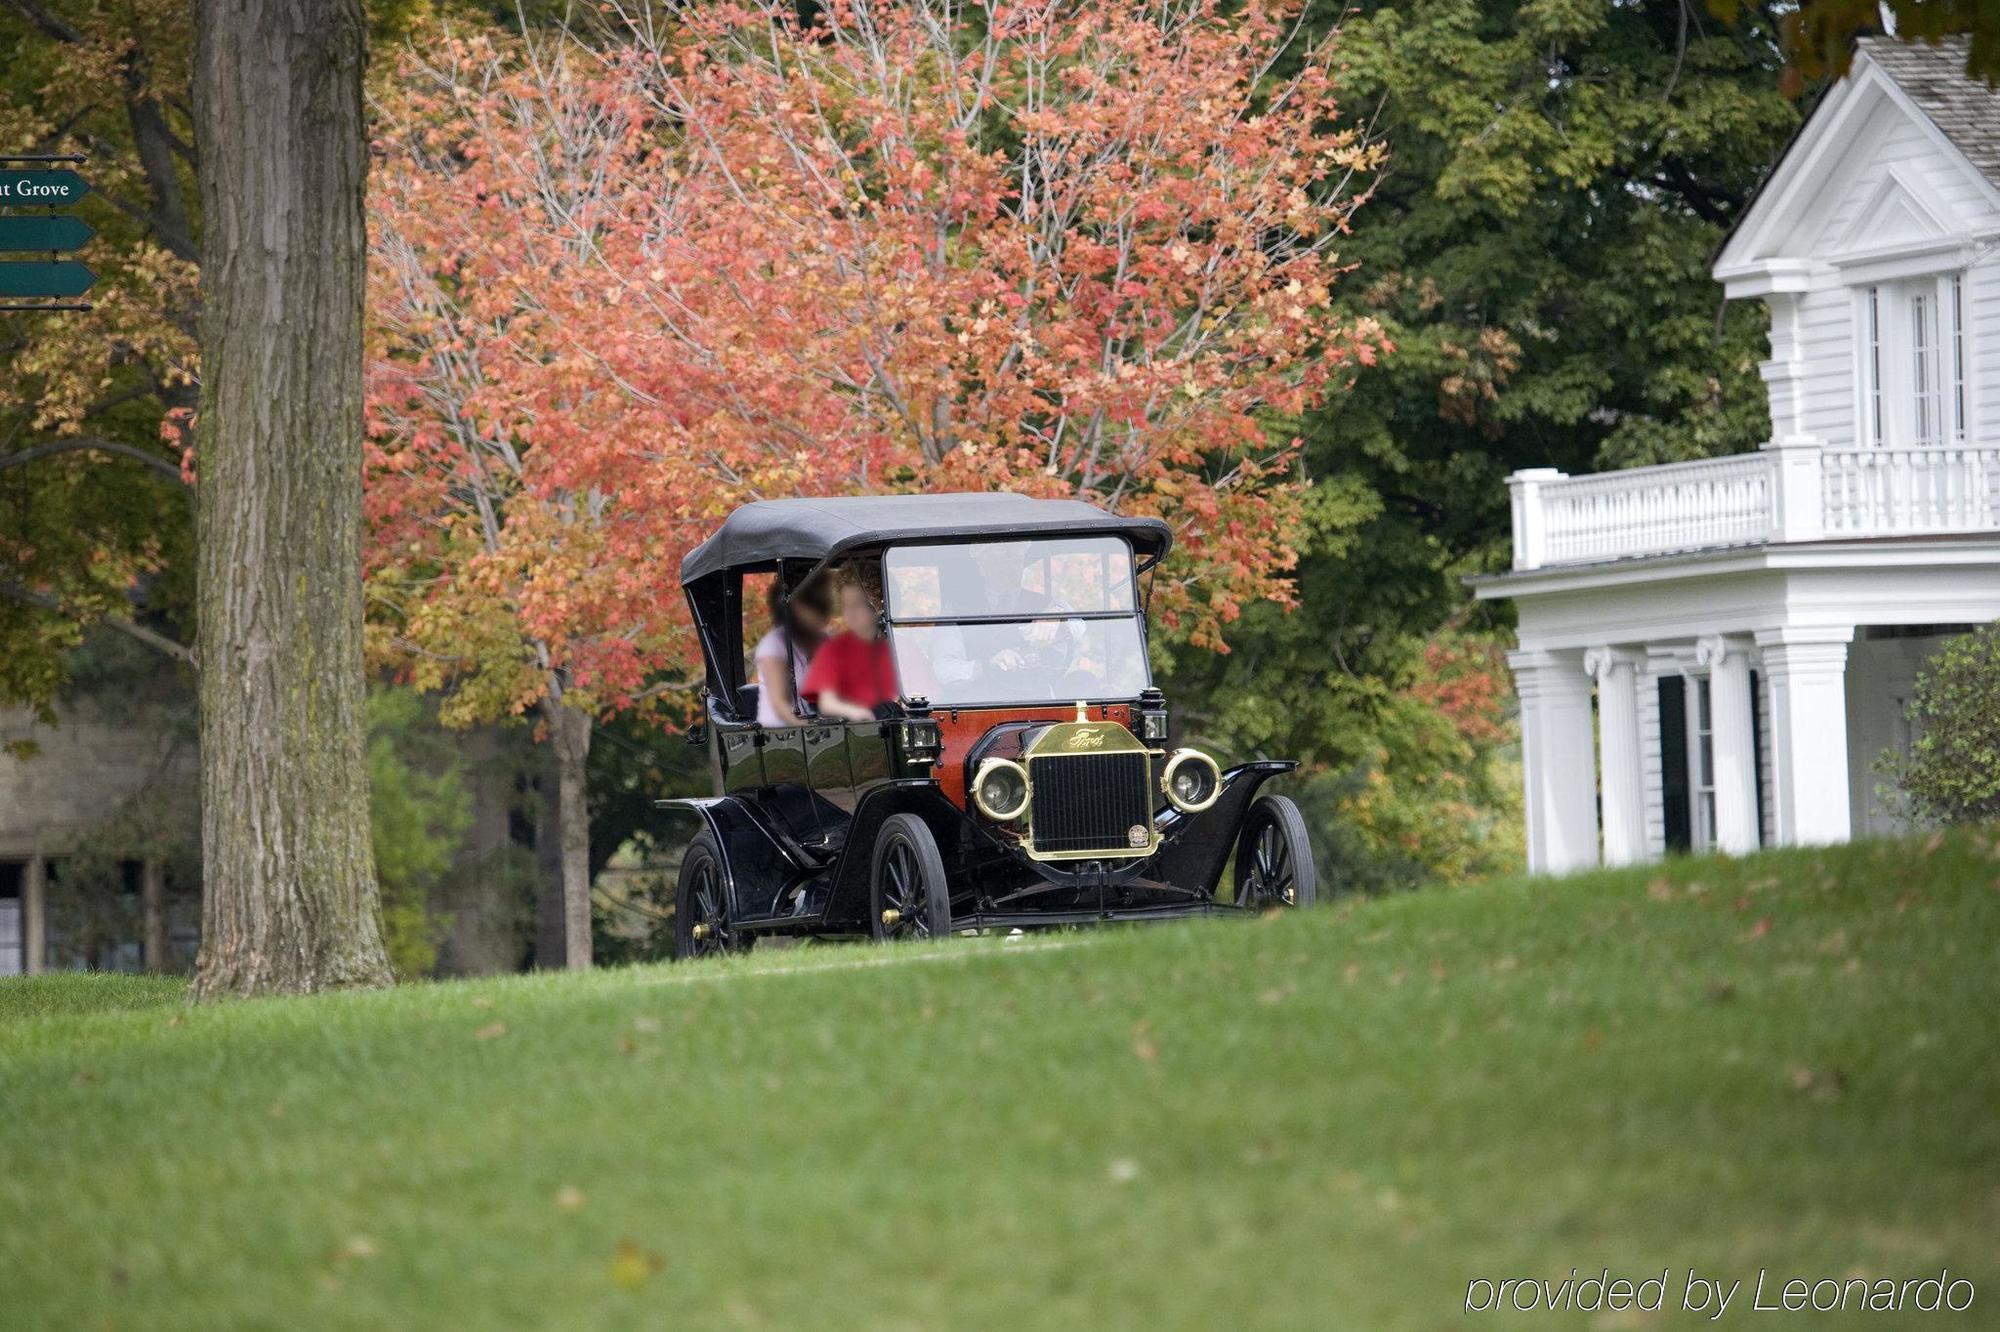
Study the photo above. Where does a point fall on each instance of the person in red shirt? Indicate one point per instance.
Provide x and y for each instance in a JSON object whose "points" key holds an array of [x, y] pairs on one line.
{"points": [[852, 676]]}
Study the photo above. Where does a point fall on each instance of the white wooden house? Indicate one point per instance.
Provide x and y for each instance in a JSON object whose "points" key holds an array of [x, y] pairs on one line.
{"points": [[1716, 654]]}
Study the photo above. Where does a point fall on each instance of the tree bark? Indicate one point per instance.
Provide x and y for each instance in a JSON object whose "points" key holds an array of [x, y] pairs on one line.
{"points": [[289, 899], [565, 921]]}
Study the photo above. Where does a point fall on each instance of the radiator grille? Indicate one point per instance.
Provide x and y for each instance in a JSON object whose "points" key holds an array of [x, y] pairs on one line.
{"points": [[1089, 802]]}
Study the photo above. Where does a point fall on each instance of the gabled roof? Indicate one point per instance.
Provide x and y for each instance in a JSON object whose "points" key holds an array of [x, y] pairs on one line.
{"points": [[1934, 78], [1929, 84], [818, 529]]}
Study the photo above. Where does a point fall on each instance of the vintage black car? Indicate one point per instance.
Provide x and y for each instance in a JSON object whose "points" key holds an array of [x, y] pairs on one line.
{"points": [[1021, 776]]}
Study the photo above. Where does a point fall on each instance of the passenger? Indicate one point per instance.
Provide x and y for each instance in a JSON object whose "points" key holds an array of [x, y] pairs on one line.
{"points": [[853, 676], [805, 618]]}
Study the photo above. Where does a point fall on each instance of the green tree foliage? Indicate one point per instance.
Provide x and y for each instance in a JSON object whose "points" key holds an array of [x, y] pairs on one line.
{"points": [[1819, 34], [1952, 774], [419, 810]]}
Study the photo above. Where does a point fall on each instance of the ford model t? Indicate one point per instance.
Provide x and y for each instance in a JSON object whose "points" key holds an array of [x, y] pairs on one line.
{"points": [[981, 746]]}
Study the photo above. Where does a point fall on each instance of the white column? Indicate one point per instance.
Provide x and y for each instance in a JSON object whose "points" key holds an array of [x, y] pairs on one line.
{"points": [[1556, 764], [1617, 674], [1733, 739], [1806, 670]]}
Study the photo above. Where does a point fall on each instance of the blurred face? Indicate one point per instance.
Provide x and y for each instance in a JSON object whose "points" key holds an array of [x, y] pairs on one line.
{"points": [[859, 613], [808, 617]]}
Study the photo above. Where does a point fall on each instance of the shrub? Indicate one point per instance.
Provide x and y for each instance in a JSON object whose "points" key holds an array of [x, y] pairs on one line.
{"points": [[1953, 772]]}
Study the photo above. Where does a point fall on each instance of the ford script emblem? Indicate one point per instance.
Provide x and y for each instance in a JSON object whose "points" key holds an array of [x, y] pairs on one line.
{"points": [[1086, 740]]}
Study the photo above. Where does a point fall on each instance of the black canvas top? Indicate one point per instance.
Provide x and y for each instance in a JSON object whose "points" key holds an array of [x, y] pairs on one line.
{"points": [[818, 529]]}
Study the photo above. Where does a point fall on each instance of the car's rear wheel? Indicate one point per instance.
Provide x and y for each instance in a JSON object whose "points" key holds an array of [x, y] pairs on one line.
{"points": [[701, 905], [907, 894], [1274, 860]]}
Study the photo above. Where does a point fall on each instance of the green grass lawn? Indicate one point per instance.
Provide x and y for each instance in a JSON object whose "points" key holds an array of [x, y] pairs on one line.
{"points": [[1335, 1119]]}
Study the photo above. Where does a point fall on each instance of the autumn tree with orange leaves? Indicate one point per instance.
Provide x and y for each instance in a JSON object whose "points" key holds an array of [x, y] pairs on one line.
{"points": [[623, 285]]}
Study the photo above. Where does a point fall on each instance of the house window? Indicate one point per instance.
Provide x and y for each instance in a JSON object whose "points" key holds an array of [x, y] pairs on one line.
{"points": [[13, 935], [1701, 763], [1914, 362]]}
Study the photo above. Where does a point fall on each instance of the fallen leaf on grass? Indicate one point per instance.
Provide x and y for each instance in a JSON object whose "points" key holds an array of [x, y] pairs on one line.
{"points": [[355, 1246], [1142, 1044], [86, 1075], [177, 1020], [1122, 1170], [1757, 931], [645, 1026], [1278, 995], [569, 1197], [1821, 1084], [632, 1266], [1719, 991], [1834, 944], [490, 1031], [482, 1001], [1352, 973], [1593, 1040], [1660, 890], [1933, 843]]}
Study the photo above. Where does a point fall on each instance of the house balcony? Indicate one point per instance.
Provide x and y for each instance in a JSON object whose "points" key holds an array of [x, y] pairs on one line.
{"points": [[1788, 491]]}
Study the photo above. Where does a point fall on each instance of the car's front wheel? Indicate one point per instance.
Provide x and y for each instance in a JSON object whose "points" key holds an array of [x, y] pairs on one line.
{"points": [[907, 894], [1274, 860], [701, 906]]}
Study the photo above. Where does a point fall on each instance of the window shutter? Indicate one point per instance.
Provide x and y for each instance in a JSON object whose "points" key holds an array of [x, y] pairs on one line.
{"points": [[1674, 763]]}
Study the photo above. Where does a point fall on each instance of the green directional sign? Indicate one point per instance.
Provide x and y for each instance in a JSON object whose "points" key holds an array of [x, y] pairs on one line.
{"points": [[51, 278], [47, 234], [40, 189]]}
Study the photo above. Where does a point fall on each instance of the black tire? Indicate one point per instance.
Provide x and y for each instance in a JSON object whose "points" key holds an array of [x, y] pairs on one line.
{"points": [[906, 876], [1274, 859], [700, 899]]}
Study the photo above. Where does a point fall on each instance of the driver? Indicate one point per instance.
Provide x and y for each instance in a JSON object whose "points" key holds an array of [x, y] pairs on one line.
{"points": [[1045, 642], [992, 580]]}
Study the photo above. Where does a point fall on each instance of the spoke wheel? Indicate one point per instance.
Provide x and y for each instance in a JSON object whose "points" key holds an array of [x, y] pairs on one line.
{"points": [[701, 906], [907, 894], [1274, 862]]}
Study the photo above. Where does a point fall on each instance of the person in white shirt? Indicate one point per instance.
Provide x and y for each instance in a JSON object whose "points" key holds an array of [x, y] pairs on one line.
{"points": [[805, 616]]}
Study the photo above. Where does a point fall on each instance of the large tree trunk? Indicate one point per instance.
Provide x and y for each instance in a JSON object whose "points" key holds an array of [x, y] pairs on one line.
{"points": [[288, 882], [563, 936]]}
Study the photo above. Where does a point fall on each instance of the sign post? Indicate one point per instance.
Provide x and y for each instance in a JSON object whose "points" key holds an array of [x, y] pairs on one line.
{"points": [[47, 278], [35, 183], [40, 189], [52, 234]]}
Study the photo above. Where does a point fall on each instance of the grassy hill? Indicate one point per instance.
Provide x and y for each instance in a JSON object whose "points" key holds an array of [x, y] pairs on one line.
{"points": [[1340, 1119]]}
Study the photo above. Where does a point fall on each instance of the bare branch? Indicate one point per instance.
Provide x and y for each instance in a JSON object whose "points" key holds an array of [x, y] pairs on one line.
{"points": [[91, 444]]}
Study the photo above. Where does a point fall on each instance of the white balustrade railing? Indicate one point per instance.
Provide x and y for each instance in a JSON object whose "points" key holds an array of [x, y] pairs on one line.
{"points": [[1790, 490], [1644, 511], [1878, 492]]}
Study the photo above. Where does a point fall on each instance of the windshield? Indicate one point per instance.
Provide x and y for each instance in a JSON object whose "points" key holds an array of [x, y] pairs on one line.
{"points": [[1016, 621]]}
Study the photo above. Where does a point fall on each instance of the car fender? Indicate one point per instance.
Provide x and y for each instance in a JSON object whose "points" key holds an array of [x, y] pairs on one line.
{"points": [[1195, 847], [748, 847], [908, 795]]}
